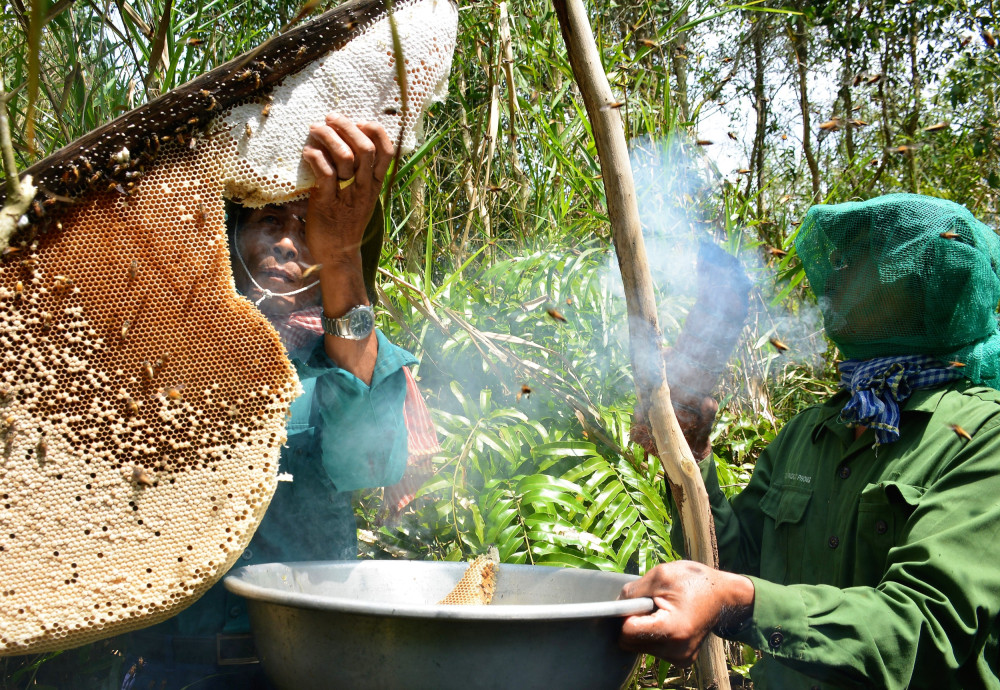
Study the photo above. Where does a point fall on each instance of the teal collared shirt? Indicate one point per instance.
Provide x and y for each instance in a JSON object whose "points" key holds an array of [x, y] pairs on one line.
{"points": [[364, 439], [342, 435], [877, 569]]}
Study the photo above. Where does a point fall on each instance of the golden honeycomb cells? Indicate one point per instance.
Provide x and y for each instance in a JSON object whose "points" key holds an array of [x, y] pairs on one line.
{"points": [[128, 486], [142, 400], [478, 583]]}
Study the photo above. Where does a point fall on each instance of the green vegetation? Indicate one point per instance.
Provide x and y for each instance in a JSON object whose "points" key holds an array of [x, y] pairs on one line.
{"points": [[499, 218]]}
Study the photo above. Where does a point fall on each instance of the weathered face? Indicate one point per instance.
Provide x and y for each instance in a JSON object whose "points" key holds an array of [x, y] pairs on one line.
{"points": [[272, 243]]}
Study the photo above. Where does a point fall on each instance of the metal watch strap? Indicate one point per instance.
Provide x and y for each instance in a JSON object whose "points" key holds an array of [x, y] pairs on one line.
{"points": [[340, 327]]}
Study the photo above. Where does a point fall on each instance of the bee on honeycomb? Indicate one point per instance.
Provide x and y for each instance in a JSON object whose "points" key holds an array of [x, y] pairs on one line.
{"points": [[148, 397]]}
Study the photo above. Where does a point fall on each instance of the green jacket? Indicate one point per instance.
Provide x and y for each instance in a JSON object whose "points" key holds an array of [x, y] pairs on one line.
{"points": [[876, 569]]}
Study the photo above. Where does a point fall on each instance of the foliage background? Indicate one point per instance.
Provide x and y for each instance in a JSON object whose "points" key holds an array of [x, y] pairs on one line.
{"points": [[500, 218]]}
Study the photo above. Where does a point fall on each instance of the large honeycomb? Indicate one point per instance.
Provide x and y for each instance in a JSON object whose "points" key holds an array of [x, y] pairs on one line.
{"points": [[258, 161], [142, 400]]}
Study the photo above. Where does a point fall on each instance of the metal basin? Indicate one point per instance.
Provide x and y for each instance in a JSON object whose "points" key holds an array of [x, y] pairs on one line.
{"points": [[374, 624]]}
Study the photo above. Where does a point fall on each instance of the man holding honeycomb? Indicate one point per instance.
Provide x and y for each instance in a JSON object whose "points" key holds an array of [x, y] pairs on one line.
{"points": [[309, 266]]}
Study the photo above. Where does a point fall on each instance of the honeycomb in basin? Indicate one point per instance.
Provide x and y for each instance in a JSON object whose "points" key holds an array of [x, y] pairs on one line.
{"points": [[478, 583]]}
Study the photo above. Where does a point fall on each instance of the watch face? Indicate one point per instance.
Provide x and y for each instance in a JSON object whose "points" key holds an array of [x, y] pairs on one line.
{"points": [[362, 323]]}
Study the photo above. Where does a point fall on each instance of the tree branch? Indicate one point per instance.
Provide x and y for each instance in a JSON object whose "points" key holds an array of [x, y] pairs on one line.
{"points": [[682, 471], [19, 192]]}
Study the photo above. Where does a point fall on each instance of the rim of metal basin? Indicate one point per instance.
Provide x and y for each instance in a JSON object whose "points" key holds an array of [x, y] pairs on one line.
{"points": [[237, 583]]}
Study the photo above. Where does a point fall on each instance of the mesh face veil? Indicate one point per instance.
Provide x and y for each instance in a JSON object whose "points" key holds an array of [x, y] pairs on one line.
{"points": [[906, 274]]}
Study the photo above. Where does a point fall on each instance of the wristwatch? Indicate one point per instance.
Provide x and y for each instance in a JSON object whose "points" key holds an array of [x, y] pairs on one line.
{"points": [[357, 324]]}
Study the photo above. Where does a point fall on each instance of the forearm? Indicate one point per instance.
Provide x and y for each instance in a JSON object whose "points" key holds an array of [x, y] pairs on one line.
{"points": [[343, 288], [349, 161]]}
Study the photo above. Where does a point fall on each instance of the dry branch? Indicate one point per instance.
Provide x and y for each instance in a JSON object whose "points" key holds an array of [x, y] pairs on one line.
{"points": [[644, 333]]}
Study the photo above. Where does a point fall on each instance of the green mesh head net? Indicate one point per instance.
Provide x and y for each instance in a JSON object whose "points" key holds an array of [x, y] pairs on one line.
{"points": [[906, 274]]}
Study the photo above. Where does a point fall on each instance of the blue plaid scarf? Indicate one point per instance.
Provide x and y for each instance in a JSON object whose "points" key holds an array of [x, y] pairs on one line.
{"points": [[879, 386]]}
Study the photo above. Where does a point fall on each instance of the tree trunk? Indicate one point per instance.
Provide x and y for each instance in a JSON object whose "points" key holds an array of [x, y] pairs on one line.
{"points": [[644, 333], [678, 65], [417, 220], [912, 121], [759, 105], [846, 85], [513, 112], [884, 126], [800, 47]]}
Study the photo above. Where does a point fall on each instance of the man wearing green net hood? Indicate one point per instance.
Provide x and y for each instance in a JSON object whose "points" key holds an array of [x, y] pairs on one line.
{"points": [[865, 550]]}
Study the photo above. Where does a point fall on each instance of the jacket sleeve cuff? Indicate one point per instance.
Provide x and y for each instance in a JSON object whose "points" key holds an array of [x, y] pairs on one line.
{"points": [[779, 625]]}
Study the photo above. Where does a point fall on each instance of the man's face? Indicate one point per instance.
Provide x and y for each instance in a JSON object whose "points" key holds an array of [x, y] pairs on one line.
{"points": [[272, 243], [864, 304]]}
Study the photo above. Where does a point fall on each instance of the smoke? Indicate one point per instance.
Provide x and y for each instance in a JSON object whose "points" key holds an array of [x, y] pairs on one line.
{"points": [[666, 184], [679, 211]]}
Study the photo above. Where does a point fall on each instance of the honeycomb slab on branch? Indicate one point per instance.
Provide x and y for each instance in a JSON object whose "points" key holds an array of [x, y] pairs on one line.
{"points": [[142, 400]]}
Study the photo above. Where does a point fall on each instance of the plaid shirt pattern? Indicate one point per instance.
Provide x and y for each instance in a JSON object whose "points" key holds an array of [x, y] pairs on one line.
{"points": [[879, 386], [300, 330]]}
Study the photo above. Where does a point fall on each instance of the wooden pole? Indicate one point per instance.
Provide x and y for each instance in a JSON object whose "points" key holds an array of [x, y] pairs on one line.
{"points": [[644, 334]]}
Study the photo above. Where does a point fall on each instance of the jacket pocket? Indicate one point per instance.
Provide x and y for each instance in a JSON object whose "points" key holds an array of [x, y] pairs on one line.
{"points": [[782, 544], [883, 511]]}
